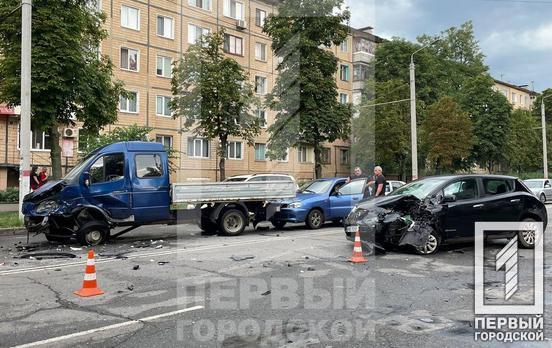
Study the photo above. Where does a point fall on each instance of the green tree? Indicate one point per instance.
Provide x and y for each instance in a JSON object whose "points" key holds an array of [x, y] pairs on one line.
{"points": [[523, 142], [213, 95], [71, 81], [92, 141], [305, 93], [447, 134], [489, 111]]}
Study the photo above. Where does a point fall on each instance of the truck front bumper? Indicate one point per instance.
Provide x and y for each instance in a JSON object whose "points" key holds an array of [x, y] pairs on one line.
{"points": [[37, 224]]}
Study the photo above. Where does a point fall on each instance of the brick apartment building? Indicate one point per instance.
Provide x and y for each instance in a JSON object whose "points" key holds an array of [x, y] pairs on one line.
{"points": [[145, 38]]}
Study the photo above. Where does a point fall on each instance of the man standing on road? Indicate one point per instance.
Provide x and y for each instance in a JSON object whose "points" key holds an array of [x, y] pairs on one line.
{"points": [[357, 174], [380, 182]]}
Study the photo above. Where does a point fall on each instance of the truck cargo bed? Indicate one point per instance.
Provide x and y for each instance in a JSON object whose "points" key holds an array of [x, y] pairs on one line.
{"points": [[232, 191]]}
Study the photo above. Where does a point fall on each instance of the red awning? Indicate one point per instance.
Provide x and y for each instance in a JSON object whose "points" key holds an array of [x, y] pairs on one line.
{"points": [[4, 110]]}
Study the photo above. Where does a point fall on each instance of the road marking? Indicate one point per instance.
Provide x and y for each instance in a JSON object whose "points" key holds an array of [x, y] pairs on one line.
{"points": [[106, 328], [163, 253]]}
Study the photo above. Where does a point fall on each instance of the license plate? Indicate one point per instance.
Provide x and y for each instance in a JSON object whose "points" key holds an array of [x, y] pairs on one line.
{"points": [[352, 229], [278, 208]]}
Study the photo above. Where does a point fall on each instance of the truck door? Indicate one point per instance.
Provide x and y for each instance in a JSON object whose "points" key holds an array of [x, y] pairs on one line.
{"points": [[109, 188], [150, 187]]}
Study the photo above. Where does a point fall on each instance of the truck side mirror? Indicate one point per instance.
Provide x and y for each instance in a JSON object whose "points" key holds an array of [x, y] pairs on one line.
{"points": [[86, 179]]}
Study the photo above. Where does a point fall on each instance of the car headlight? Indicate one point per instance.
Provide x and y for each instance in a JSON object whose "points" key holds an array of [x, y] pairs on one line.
{"points": [[46, 207], [356, 214], [295, 205]]}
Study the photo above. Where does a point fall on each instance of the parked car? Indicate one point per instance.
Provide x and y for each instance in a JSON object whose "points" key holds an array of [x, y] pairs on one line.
{"points": [[262, 177], [541, 188], [444, 210], [390, 186]]}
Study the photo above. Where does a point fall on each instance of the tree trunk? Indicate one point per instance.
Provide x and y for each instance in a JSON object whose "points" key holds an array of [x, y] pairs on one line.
{"points": [[223, 143], [55, 152], [317, 161]]}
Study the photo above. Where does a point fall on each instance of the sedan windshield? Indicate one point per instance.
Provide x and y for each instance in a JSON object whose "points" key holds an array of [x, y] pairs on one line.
{"points": [[419, 189], [533, 184], [316, 187]]}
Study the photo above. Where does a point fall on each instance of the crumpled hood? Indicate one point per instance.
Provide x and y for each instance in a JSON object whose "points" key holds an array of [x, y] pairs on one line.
{"points": [[386, 201], [49, 189]]}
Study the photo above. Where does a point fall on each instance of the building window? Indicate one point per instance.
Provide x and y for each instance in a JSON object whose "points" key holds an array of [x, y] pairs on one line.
{"points": [[164, 66], [344, 72], [40, 140], [260, 51], [344, 157], [163, 107], [234, 150], [326, 155], [233, 44], [343, 98], [260, 85], [261, 113], [514, 98], [260, 17], [129, 103], [344, 46], [233, 9], [198, 148], [360, 72], [203, 4], [195, 33], [364, 45], [129, 59], [304, 154], [166, 140], [130, 17], [260, 152], [165, 27]]}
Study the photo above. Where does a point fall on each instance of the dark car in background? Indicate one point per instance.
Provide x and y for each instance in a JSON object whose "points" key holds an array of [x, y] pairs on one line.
{"points": [[439, 210]]}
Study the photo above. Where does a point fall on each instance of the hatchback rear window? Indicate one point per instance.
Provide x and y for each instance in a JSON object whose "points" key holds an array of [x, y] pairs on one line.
{"points": [[497, 186]]}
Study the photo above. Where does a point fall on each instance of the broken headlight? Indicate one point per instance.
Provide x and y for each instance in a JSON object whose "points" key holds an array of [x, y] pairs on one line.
{"points": [[46, 207], [357, 214], [294, 205]]}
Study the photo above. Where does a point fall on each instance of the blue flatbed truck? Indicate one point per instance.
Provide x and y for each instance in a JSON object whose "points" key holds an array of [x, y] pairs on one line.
{"points": [[126, 185]]}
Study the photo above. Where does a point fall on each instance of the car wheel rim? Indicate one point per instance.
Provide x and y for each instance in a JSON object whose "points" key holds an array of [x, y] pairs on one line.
{"points": [[316, 219], [233, 223], [430, 245], [94, 237], [542, 198], [528, 234]]}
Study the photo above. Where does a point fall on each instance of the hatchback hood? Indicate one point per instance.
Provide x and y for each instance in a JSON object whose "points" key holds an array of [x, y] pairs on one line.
{"points": [[48, 190], [387, 201]]}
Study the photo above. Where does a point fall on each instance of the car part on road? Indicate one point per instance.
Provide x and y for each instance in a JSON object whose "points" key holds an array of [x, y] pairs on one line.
{"points": [[315, 219], [242, 258], [47, 255]]}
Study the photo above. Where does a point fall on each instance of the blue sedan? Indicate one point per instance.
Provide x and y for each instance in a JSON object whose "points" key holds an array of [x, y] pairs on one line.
{"points": [[319, 201]]}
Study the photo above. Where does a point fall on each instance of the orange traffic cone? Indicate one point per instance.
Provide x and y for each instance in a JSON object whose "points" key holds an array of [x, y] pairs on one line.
{"points": [[89, 285], [357, 250]]}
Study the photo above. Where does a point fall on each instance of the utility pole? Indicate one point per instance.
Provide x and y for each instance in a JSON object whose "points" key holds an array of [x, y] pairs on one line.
{"points": [[25, 119], [544, 145]]}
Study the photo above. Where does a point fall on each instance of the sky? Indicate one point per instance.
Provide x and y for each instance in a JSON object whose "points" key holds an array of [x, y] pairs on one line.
{"points": [[514, 35]]}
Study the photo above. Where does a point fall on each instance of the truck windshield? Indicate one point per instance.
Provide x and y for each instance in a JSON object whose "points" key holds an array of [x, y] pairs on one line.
{"points": [[74, 174]]}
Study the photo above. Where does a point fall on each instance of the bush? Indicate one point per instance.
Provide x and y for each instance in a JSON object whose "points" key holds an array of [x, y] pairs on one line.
{"points": [[11, 195]]}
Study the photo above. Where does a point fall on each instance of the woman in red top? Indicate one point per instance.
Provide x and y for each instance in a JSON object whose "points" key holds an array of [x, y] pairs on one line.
{"points": [[43, 176]]}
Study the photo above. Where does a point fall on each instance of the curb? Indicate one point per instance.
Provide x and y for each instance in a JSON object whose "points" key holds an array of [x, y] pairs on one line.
{"points": [[12, 231]]}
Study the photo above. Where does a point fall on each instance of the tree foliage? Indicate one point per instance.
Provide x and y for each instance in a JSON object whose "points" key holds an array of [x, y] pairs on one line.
{"points": [[90, 142], [71, 81], [305, 95], [213, 96], [523, 142]]}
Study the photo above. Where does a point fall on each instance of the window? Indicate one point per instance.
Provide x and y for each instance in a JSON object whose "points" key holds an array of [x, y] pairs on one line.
{"points": [[108, 168], [364, 45], [261, 113], [497, 186], [260, 85], [344, 46], [166, 140], [304, 154], [234, 150], [233, 44], [234, 9], [361, 72], [164, 66], [343, 98], [344, 72], [165, 27], [260, 51], [326, 155], [130, 103], [260, 152], [260, 17], [462, 190], [344, 157], [130, 17], [514, 96], [195, 33], [40, 140], [355, 187], [163, 107], [198, 148], [148, 166], [129, 59], [203, 4]]}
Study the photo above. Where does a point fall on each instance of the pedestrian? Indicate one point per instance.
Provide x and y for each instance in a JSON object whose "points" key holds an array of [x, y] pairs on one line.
{"points": [[35, 182], [379, 182], [357, 174], [43, 176]]}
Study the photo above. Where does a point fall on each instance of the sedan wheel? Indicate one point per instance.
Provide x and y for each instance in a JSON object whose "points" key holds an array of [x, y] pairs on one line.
{"points": [[526, 237], [431, 246], [315, 219], [542, 198]]}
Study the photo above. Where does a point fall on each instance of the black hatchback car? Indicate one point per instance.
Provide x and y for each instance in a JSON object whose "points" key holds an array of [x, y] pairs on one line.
{"points": [[437, 210]]}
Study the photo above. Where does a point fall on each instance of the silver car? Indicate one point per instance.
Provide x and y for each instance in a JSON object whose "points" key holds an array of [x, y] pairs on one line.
{"points": [[541, 188]]}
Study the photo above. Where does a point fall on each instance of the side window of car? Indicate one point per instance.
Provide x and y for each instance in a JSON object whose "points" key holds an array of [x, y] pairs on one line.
{"points": [[148, 166], [462, 190], [497, 186], [387, 187], [396, 185], [279, 178], [353, 188], [337, 187], [258, 179], [547, 184], [108, 168]]}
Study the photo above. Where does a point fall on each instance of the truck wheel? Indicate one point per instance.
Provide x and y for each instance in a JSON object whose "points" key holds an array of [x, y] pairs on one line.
{"points": [[93, 233], [208, 227], [232, 222], [315, 219], [279, 224]]}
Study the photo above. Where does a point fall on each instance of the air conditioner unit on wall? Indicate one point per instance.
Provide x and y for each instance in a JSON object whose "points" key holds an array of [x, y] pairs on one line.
{"points": [[241, 24], [70, 133]]}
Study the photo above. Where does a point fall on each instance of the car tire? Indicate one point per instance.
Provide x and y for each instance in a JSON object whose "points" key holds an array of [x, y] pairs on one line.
{"points": [[279, 225], [526, 239], [93, 233], [232, 222], [315, 219], [542, 198], [432, 245]]}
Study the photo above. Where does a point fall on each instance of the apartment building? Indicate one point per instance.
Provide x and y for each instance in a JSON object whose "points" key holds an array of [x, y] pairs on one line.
{"points": [[145, 39], [364, 50], [519, 96]]}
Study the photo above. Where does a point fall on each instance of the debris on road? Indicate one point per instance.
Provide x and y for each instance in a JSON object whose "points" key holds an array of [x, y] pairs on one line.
{"points": [[75, 249], [130, 287], [266, 293], [47, 255], [242, 258], [310, 269], [136, 267], [117, 254], [161, 263]]}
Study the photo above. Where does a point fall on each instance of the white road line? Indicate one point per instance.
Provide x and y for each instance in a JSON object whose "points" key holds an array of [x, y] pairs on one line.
{"points": [[106, 328], [164, 253]]}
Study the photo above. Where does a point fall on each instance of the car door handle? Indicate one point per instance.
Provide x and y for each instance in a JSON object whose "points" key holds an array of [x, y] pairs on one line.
{"points": [[355, 198], [515, 200], [479, 205]]}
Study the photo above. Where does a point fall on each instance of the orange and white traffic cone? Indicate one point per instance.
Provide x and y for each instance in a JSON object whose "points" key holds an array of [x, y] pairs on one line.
{"points": [[89, 285], [357, 250]]}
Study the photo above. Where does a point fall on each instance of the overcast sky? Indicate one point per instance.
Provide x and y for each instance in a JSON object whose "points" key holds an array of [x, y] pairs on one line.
{"points": [[514, 35]]}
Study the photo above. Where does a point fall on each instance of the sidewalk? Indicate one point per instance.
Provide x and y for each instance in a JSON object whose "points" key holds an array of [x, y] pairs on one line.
{"points": [[8, 207]]}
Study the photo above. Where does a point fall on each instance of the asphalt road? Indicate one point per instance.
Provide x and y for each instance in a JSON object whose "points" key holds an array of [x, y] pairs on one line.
{"points": [[168, 286]]}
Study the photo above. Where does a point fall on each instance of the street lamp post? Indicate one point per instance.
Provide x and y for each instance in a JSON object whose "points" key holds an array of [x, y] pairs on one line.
{"points": [[544, 145], [413, 128]]}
